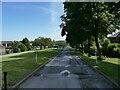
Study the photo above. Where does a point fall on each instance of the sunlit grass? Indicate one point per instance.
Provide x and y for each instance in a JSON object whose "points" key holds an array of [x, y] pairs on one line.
{"points": [[109, 66], [19, 66]]}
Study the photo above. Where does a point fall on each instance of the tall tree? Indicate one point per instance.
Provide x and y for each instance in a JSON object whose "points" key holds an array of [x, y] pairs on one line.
{"points": [[26, 42], [42, 42], [85, 20]]}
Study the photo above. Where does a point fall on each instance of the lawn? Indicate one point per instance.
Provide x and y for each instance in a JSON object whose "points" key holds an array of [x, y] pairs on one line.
{"points": [[109, 66], [19, 66]]}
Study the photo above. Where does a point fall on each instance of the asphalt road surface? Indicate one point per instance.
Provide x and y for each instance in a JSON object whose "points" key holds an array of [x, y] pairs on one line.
{"points": [[67, 71]]}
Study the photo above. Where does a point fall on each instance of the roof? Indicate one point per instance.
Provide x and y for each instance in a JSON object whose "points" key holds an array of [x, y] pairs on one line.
{"points": [[8, 42], [115, 35], [2, 46]]}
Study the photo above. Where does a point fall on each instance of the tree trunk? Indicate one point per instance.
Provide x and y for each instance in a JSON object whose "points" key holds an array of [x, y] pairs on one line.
{"points": [[97, 45], [76, 47], [89, 47], [40, 47], [79, 48], [44, 47], [82, 48]]}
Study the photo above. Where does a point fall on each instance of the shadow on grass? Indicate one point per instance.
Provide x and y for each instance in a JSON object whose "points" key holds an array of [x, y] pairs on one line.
{"points": [[110, 69], [18, 69], [31, 55]]}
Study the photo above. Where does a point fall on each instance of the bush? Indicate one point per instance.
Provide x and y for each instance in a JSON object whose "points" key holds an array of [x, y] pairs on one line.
{"points": [[7, 51], [113, 50], [29, 47], [104, 51], [92, 51], [22, 47], [16, 49]]}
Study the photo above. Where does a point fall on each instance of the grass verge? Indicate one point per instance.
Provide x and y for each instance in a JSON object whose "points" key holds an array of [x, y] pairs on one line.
{"points": [[19, 66], [109, 66]]}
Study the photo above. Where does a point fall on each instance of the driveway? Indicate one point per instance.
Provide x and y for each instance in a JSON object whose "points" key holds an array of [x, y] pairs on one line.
{"points": [[67, 71]]}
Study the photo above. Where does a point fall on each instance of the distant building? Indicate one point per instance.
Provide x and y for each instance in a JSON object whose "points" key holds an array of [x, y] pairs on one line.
{"points": [[2, 49], [115, 38], [7, 44], [31, 43]]}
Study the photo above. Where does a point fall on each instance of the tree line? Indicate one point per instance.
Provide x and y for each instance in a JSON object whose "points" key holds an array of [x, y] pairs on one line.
{"points": [[85, 23], [38, 43]]}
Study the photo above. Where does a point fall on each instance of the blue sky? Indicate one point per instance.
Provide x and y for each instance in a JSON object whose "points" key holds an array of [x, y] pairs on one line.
{"points": [[31, 19]]}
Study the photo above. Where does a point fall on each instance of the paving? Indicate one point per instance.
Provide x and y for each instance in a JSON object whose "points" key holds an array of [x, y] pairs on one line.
{"points": [[67, 71]]}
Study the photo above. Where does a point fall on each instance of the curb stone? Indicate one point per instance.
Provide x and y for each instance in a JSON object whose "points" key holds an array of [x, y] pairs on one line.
{"points": [[100, 72], [29, 75]]}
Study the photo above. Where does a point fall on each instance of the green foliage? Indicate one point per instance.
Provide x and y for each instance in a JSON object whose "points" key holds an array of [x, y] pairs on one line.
{"points": [[85, 20], [109, 66], [104, 46], [26, 42], [111, 50], [47, 42], [21, 65], [22, 47], [41, 41], [36, 42], [16, 43], [7, 51], [15, 46], [16, 49], [59, 43]]}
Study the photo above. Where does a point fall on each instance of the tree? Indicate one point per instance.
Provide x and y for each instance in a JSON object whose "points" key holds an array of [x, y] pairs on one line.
{"points": [[18, 47], [47, 42], [37, 42], [22, 47], [41, 41], [15, 44], [26, 42], [15, 47], [85, 20], [60, 43]]}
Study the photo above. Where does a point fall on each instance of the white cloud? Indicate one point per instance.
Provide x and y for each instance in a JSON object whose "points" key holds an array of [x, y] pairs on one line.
{"points": [[57, 9], [55, 12], [33, 0], [47, 10]]}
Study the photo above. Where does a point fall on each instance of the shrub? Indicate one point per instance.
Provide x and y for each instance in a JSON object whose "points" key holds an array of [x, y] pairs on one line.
{"points": [[7, 52], [16, 49], [29, 47], [92, 51], [113, 50], [22, 47]]}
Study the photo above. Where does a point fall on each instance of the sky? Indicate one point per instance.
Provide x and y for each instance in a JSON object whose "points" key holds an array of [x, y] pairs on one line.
{"points": [[31, 20]]}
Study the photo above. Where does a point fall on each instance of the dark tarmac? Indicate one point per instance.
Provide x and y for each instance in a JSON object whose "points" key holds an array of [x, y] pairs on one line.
{"points": [[67, 71]]}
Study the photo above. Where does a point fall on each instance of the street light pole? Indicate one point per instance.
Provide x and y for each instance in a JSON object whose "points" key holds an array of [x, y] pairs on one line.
{"points": [[5, 80], [36, 54], [96, 54], [36, 57]]}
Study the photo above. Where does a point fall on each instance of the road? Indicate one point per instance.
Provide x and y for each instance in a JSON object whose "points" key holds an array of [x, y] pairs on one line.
{"points": [[67, 71]]}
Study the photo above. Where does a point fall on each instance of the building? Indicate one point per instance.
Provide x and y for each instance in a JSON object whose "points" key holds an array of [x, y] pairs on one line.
{"points": [[31, 43], [115, 38], [2, 49], [7, 44]]}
